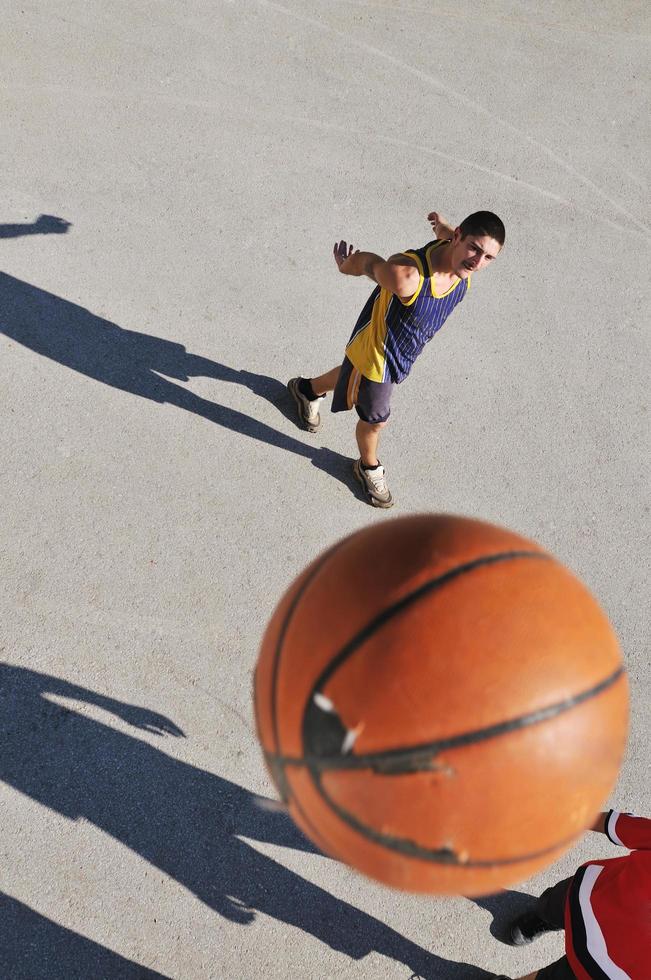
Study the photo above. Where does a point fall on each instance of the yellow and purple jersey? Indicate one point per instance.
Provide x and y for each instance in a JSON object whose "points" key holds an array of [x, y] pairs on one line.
{"points": [[391, 332]]}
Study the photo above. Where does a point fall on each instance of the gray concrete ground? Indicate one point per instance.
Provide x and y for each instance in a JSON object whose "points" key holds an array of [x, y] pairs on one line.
{"points": [[157, 499]]}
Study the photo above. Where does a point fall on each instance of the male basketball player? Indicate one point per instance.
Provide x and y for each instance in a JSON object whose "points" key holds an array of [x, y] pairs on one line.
{"points": [[605, 909], [415, 293]]}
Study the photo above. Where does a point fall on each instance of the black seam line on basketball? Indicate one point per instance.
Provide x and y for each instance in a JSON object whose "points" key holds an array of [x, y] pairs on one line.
{"points": [[282, 634], [398, 607], [389, 761], [439, 855]]}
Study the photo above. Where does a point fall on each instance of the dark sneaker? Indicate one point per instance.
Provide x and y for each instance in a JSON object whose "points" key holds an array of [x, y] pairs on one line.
{"points": [[374, 484], [528, 927], [308, 412]]}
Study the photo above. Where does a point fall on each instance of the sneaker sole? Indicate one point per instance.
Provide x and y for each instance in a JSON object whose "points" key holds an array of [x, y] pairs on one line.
{"points": [[307, 426], [384, 504]]}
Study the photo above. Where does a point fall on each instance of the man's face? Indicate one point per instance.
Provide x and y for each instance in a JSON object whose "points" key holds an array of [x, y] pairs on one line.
{"points": [[472, 253]]}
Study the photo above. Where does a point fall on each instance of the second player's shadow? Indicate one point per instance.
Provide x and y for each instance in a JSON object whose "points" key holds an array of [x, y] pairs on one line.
{"points": [[504, 907], [191, 824], [40, 948], [147, 366], [45, 224]]}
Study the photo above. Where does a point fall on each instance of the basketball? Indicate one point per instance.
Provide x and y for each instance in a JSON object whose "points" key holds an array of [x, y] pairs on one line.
{"points": [[441, 704]]}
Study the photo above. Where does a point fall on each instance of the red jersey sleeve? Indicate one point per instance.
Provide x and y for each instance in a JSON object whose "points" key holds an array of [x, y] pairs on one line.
{"points": [[629, 831]]}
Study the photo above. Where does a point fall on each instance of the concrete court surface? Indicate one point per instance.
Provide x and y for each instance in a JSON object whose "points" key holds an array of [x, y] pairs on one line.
{"points": [[195, 161]]}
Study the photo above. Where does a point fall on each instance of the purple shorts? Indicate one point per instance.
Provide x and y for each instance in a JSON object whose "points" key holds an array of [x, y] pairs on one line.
{"points": [[371, 399]]}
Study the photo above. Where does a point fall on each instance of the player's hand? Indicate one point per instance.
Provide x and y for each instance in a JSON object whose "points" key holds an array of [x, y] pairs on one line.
{"points": [[146, 720], [435, 220], [236, 911], [49, 223], [342, 252], [441, 228]]}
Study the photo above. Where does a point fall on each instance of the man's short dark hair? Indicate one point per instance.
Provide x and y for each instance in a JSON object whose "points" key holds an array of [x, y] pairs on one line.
{"points": [[483, 223]]}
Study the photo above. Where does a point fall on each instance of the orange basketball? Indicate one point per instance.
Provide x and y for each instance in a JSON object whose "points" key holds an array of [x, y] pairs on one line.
{"points": [[441, 704]]}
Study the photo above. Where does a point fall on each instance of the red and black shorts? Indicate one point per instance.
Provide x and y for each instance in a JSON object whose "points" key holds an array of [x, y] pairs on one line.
{"points": [[371, 399]]}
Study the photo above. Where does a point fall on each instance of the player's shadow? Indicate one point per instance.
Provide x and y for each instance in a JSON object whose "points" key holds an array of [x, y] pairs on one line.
{"points": [[40, 948], [45, 224], [504, 907], [191, 824], [143, 365]]}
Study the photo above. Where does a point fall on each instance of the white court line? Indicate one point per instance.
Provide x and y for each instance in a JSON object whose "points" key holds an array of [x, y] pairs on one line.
{"points": [[165, 99], [516, 181], [394, 141], [644, 231], [456, 14], [462, 99]]}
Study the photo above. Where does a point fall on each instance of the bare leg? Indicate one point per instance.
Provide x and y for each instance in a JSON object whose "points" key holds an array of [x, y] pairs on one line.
{"points": [[326, 382], [367, 435]]}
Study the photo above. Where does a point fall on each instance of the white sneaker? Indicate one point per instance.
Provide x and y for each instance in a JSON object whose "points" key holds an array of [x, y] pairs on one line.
{"points": [[308, 411], [374, 484]]}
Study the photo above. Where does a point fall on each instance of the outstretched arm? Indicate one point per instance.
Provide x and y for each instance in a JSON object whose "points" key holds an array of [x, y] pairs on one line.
{"points": [[440, 227], [600, 823], [399, 274], [627, 830], [143, 718]]}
